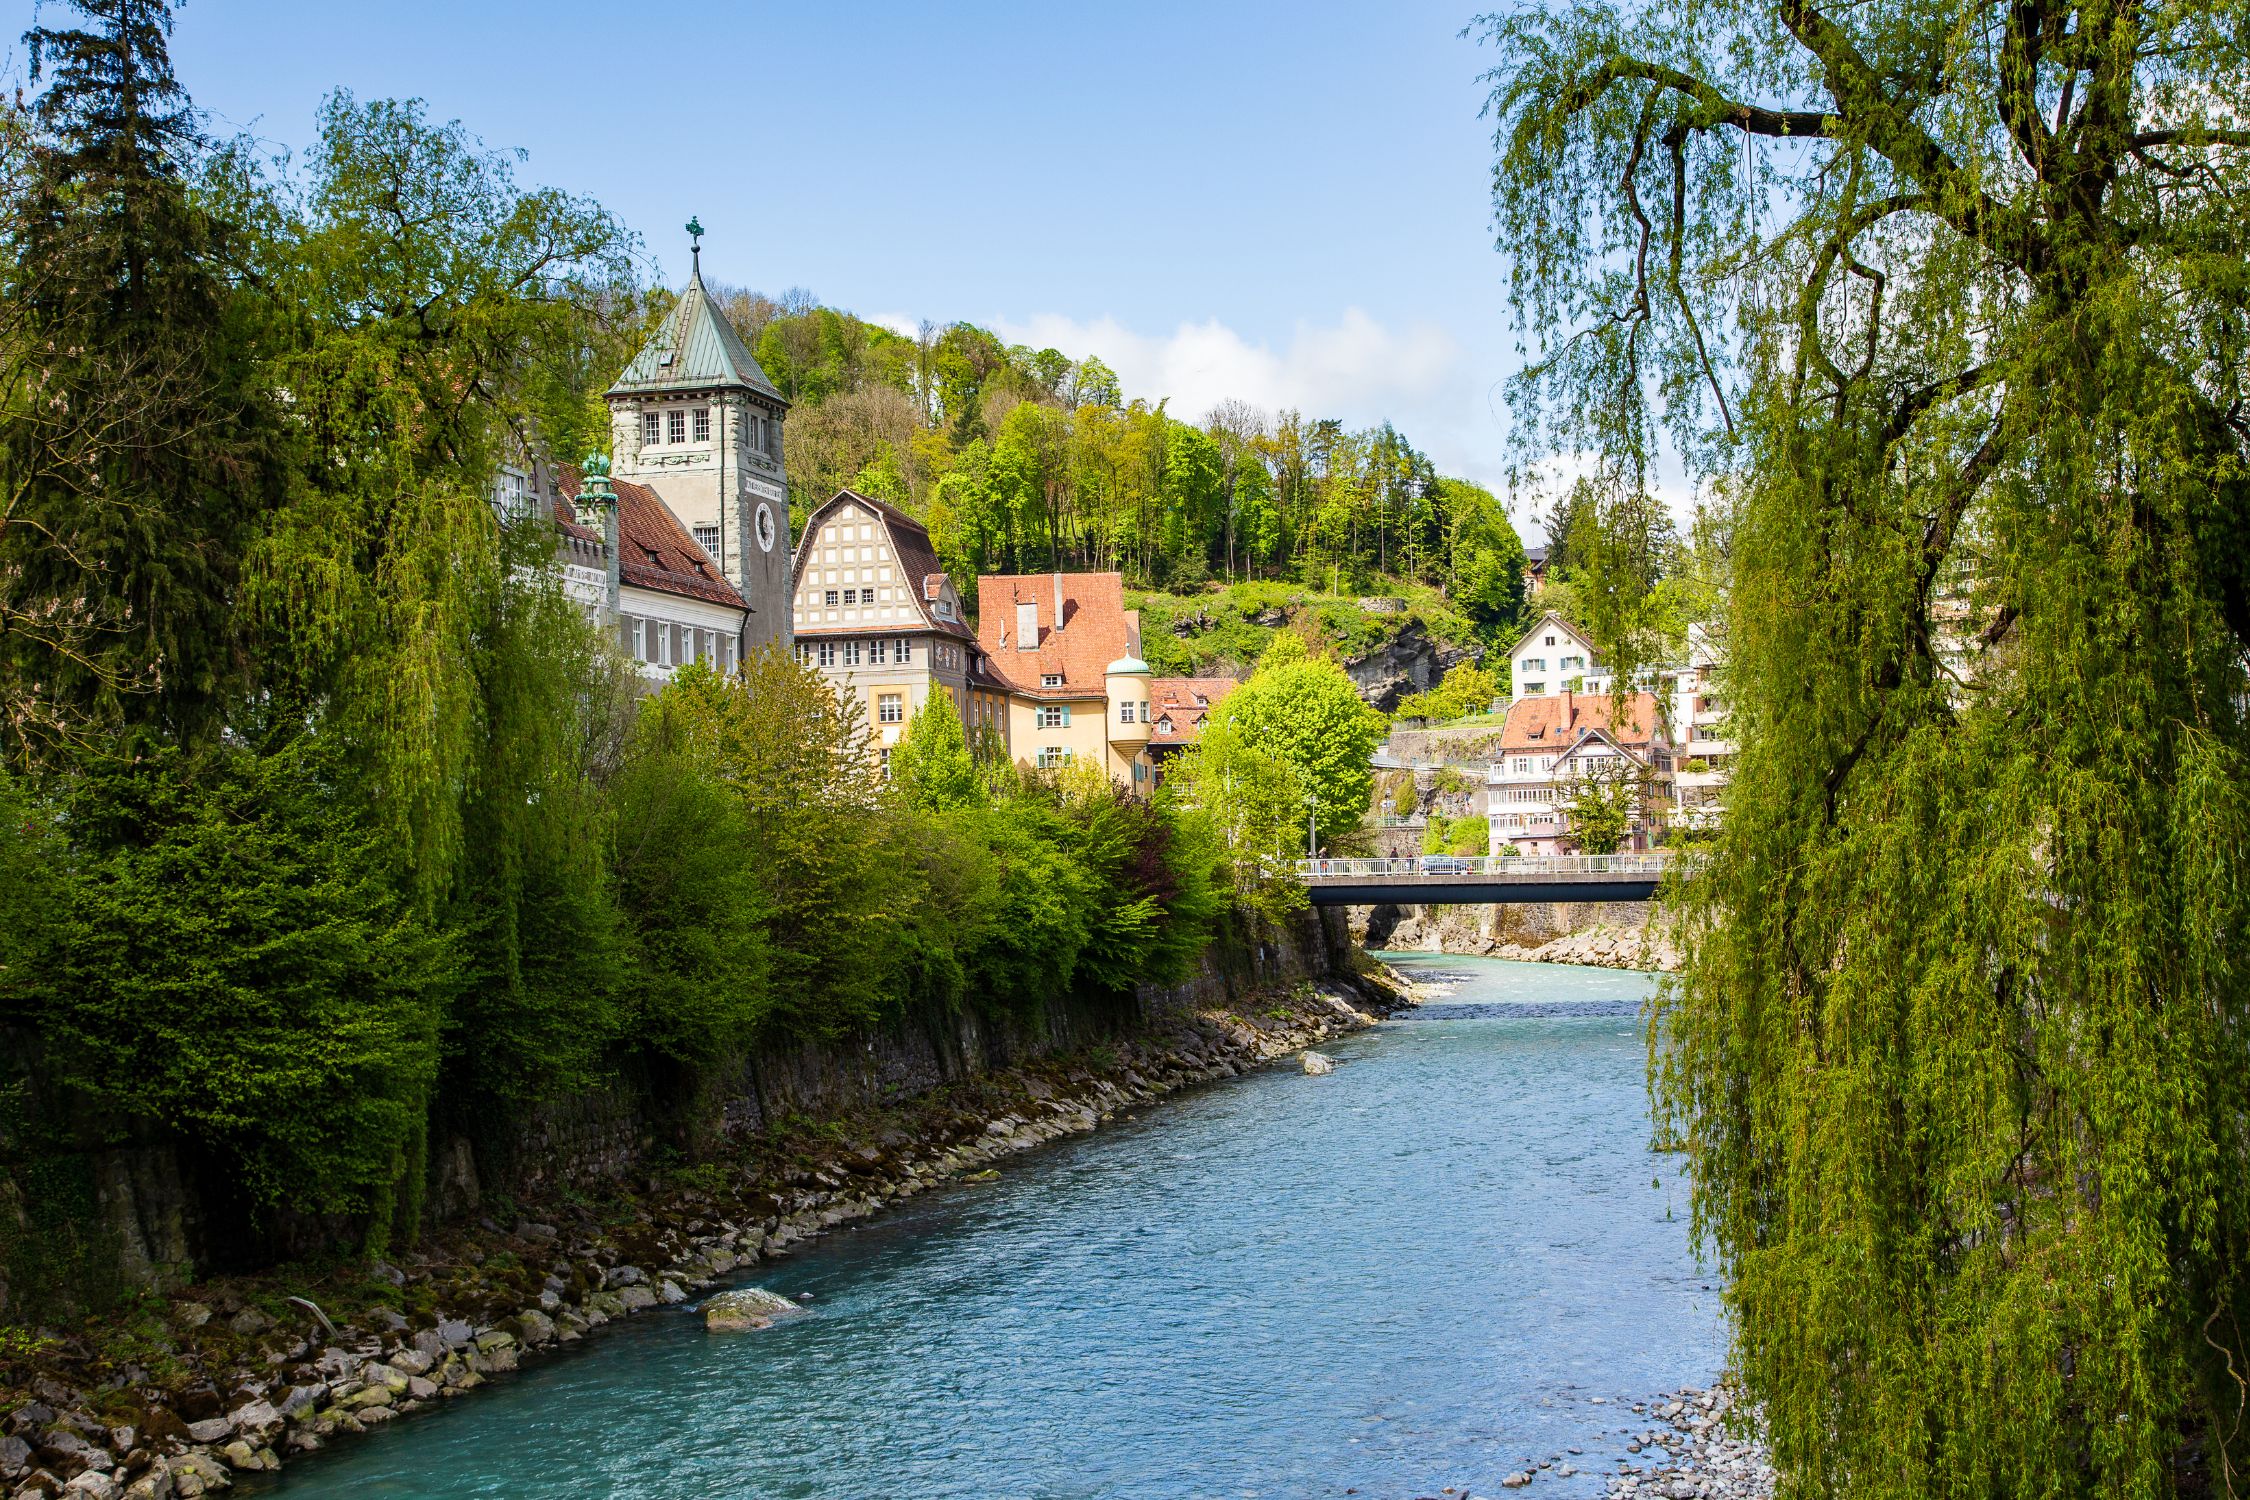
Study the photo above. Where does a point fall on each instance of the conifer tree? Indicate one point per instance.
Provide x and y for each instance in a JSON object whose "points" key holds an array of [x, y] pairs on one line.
{"points": [[139, 450]]}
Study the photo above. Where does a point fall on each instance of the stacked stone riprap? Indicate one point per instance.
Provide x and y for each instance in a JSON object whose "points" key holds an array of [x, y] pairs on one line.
{"points": [[1599, 947], [242, 1387]]}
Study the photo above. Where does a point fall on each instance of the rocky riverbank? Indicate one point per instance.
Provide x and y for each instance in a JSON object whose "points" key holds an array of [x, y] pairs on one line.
{"points": [[1695, 1452], [182, 1393], [1684, 1446], [1620, 935]]}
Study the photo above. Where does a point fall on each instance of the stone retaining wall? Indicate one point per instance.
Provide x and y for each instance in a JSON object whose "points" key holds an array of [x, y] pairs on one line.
{"points": [[141, 1213], [1608, 934]]}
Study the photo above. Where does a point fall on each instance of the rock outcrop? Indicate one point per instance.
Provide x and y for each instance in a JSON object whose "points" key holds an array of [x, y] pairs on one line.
{"points": [[1409, 662], [746, 1309]]}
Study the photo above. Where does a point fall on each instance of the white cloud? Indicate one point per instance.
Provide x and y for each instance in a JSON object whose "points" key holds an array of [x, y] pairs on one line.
{"points": [[1417, 377]]}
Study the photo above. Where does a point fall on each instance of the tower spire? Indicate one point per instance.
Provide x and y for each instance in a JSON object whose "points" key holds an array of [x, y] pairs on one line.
{"points": [[695, 246]]}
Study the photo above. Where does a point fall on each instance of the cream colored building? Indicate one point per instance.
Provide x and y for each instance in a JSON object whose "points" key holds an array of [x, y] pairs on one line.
{"points": [[873, 611], [1070, 653]]}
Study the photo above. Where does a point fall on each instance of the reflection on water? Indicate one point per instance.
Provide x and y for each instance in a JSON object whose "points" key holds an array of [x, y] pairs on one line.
{"points": [[1452, 1255]]}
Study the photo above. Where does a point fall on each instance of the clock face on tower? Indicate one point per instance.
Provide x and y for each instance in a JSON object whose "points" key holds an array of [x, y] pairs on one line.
{"points": [[765, 528]]}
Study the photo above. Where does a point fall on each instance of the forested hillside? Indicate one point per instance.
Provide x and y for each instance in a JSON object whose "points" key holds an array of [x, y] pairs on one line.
{"points": [[1023, 459]]}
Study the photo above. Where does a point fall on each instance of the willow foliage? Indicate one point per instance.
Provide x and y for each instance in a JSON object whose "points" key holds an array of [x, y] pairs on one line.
{"points": [[1953, 299]]}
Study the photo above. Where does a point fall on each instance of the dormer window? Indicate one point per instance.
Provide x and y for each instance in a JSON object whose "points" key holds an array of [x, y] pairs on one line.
{"points": [[703, 424], [676, 425], [652, 427], [1050, 679]]}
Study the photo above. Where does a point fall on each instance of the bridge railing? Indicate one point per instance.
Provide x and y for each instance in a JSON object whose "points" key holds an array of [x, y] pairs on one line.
{"points": [[1653, 863]]}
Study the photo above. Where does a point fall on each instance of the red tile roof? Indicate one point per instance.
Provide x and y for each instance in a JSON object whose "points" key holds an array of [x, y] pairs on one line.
{"points": [[655, 551], [1560, 720], [1174, 700], [1096, 629]]}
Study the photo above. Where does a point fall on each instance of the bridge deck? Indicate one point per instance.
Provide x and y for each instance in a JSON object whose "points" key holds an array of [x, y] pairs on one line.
{"points": [[1442, 880]]}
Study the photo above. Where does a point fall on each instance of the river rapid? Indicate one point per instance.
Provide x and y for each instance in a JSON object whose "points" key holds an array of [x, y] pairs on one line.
{"points": [[1451, 1258]]}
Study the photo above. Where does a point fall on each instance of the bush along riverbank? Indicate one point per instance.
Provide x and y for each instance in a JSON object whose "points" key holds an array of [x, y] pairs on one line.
{"points": [[180, 1393]]}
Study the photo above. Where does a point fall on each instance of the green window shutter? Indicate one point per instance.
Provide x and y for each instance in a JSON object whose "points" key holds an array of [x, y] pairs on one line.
{"points": [[1066, 716]]}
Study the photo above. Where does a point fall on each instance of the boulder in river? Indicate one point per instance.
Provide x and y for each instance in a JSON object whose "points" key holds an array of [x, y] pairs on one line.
{"points": [[746, 1309], [1317, 1063]]}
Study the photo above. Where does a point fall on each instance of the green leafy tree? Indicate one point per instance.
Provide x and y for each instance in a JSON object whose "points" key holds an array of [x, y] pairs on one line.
{"points": [[1251, 803], [931, 764], [1466, 689], [1951, 301], [1605, 794], [1308, 714], [699, 981]]}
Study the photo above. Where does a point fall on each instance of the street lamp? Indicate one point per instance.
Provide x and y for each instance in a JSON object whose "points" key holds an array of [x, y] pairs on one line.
{"points": [[1312, 826]]}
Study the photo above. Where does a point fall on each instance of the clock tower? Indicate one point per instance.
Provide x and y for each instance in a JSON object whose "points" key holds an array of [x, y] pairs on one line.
{"points": [[695, 420]]}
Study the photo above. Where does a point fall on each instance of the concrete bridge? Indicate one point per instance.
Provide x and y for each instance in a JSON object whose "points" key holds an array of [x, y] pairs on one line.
{"points": [[1448, 880]]}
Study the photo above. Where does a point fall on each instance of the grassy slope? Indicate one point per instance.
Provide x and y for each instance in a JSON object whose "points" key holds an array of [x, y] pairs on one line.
{"points": [[1231, 637]]}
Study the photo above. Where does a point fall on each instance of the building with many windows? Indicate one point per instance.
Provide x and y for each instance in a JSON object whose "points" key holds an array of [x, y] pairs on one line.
{"points": [[1550, 745], [694, 420], [1069, 650], [661, 592], [875, 613]]}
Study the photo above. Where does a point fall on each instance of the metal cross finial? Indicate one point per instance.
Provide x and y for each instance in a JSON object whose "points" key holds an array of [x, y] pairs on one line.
{"points": [[695, 241]]}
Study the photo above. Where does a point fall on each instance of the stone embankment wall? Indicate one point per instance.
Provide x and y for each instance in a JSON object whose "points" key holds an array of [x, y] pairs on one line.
{"points": [[81, 1224], [1606, 934], [257, 1369]]}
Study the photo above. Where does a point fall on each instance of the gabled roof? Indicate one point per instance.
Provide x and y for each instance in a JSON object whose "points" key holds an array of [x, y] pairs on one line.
{"points": [[695, 348], [1096, 630], [1554, 724], [1550, 618], [912, 554], [1173, 701], [654, 551]]}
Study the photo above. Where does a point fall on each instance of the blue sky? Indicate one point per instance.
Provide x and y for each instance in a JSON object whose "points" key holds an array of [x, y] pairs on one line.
{"points": [[1286, 203]]}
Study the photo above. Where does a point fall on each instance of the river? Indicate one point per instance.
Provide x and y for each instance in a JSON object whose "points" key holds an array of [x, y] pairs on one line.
{"points": [[1453, 1255]]}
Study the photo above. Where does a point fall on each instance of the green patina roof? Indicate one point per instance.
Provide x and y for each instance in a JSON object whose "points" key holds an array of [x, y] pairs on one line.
{"points": [[695, 349]]}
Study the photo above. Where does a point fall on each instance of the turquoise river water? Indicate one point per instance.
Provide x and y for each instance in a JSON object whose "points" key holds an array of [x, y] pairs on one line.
{"points": [[1453, 1255]]}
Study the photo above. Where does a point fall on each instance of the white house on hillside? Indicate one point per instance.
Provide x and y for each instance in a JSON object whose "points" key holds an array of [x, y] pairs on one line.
{"points": [[1552, 656]]}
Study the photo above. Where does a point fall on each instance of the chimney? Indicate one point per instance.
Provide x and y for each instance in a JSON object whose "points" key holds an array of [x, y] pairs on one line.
{"points": [[1058, 602], [1566, 708]]}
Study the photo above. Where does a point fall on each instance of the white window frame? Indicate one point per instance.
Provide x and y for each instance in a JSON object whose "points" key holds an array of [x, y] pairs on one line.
{"points": [[675, 426], [702, 424]]}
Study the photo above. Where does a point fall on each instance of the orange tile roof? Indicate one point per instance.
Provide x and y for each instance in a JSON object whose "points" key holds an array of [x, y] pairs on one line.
{"points": [[1173, 699], [1560, 720], [1096, 629]]}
